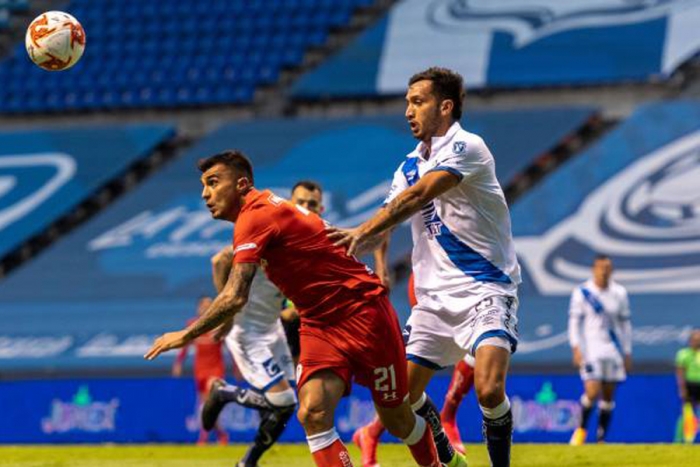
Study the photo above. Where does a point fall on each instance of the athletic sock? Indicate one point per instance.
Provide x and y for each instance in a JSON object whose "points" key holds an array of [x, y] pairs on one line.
{"points": [[375, 428], [327, 450], [426, 409], [420, 443], [498, 430], [604, 416], [245, 397], [586, 411], [272, 424]]}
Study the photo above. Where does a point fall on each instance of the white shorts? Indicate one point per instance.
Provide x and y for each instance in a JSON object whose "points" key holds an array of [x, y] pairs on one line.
{"points": [[264, 359], [607, 370], [437, 339]]}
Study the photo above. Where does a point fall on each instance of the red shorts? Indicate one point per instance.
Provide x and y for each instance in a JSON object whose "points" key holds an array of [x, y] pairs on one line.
{"points": [[367, 347]]}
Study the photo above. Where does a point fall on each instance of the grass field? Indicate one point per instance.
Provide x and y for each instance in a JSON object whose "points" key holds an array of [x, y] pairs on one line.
{"points": [[297, 455]]}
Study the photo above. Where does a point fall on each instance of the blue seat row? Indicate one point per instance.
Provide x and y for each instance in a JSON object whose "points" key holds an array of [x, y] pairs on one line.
{"points": [[185, 53]]}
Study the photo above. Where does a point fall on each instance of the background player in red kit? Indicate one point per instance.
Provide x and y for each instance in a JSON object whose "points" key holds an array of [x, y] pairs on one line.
{"points": [[208, 367], [349, 330]]}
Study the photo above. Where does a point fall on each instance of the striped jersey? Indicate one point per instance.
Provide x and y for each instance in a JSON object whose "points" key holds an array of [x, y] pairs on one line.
{"points": [[462, 242], [599, 321]]}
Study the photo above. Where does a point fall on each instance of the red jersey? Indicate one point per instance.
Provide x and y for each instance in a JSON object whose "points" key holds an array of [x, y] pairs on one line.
{"points": [[323, 282], [208, 358]]}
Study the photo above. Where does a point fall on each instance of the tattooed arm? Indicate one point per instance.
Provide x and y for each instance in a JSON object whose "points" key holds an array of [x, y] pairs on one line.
{"points": [[230, 301]]}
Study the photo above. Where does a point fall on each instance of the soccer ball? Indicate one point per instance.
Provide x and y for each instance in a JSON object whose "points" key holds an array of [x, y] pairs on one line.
{"points": [[55, 41]]}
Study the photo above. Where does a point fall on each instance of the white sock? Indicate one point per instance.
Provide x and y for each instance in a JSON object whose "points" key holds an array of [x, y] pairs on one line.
{"points": [[321, 441], [417, 432], [498, 411]]}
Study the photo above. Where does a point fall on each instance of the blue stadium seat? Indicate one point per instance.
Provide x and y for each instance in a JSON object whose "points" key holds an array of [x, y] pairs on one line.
{"points": [[185, 53]]}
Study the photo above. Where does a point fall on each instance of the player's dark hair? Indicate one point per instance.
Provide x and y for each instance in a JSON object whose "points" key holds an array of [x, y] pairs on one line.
{"points": [[309, 185], [447, 85], [233, 159], [601, 257]]}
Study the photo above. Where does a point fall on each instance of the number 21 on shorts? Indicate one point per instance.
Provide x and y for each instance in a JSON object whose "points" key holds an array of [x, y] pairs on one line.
{"points": [[385, 382]]}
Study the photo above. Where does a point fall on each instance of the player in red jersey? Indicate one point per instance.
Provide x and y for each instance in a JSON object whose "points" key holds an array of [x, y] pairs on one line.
{"points": [[349, 330], [366, 438], [208, 367]]}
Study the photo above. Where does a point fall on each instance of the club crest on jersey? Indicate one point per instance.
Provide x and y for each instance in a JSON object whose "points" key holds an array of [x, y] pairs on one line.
{"points": [[459, 147]]}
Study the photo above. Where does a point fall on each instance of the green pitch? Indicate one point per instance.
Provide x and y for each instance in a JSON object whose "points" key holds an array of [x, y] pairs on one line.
{"points": [[297, 455]]}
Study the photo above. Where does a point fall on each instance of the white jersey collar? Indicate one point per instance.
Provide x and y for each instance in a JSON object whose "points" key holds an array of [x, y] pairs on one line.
{"points": [[438, 142]]}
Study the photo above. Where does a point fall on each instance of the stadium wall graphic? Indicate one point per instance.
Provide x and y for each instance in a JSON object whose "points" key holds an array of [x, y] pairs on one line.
{"points": [[545, 409], [633, 196], [512, 43]]}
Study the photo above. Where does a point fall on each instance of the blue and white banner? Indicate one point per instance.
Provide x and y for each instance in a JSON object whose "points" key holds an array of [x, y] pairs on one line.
{"points": [[45, 174], [511, 43], [545, 409]]}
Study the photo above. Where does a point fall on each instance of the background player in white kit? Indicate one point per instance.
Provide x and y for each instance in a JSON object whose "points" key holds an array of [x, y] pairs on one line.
{"points": [[258, 344], [600, 335], [466, 272]]}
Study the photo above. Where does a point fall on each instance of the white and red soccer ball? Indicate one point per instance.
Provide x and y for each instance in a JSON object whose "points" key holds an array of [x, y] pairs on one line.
{"points": [[55, 40]]}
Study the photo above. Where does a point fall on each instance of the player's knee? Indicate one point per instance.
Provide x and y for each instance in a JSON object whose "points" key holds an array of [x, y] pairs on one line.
{"points": [[315, 417], [490, 392]]}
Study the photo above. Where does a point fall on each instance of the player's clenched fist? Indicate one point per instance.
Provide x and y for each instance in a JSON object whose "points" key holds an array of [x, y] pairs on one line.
{"points": [[168, 341]]}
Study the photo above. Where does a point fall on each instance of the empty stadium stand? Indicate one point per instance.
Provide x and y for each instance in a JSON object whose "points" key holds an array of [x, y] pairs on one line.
{"points": [[174, 54]]}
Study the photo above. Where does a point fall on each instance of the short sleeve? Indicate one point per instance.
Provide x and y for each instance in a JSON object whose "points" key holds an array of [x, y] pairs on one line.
{"points": [[398, 185], [252, 235], [681, 358], [464, 159], [576, 303]]}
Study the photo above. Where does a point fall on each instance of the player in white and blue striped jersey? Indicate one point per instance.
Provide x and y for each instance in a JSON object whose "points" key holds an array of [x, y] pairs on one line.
{"points": [[466, 271], [600, 335]]}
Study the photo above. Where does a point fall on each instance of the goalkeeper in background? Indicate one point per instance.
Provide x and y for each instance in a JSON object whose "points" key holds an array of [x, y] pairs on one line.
{"points": [[688, 377]]}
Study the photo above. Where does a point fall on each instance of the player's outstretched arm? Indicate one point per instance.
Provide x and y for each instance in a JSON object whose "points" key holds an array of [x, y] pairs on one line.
{"points": [[409, 202], [230, 301]]}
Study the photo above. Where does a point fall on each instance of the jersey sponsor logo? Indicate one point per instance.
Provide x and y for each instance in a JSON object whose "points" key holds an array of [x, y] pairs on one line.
{"points": [[29, 180], [529, 21], [646, 218], [245, 246]]}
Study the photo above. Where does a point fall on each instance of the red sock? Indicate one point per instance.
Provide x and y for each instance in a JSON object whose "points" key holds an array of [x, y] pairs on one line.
{"points": [[461, 384], [424, 451], [335, 455], [375, 428]]}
